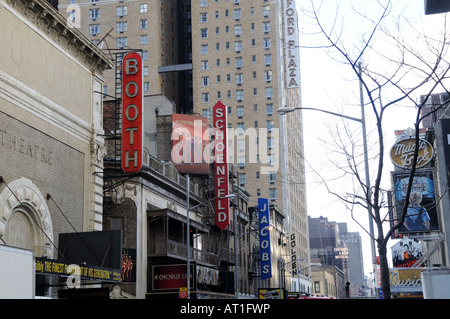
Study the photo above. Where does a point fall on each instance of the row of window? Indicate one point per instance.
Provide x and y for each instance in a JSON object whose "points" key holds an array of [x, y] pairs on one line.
{"points": [[240, 112], [239, 95], [238, 62], [204, 32], [237, 13]]}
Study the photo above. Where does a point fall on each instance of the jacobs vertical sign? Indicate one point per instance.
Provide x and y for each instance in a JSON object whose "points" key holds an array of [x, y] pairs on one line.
{"points": [[221, 183], [264, 238], [132, 130]]}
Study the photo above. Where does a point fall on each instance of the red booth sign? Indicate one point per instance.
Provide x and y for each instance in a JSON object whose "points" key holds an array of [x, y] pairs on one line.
{"points": [[132, 130], [222, 205]]}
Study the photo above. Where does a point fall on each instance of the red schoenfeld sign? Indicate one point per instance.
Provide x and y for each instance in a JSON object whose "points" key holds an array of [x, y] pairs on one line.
{"points": [[222, 205], [132, 130]]}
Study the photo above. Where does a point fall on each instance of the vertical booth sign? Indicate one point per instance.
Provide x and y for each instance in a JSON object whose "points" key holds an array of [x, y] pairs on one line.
{"points": [[132, 96], [264, 238], [222, 205]]}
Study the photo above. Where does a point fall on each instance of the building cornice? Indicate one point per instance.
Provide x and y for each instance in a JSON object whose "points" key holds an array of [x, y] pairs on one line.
{"points": [[50, 21]]}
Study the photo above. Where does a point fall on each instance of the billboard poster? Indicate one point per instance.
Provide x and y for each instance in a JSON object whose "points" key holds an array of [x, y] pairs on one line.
{"points": [[264, 238], [221, 182], [132, 129], [405, 253], [129, 265], [421, 215], [188, 143]]}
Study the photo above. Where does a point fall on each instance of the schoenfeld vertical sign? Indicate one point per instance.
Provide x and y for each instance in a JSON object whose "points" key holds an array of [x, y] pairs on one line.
{"points": [[222, 204], [132, 130], [264, 238]]}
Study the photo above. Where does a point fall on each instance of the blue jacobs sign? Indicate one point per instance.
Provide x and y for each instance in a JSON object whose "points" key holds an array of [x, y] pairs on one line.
{"points": [[264, 238]]}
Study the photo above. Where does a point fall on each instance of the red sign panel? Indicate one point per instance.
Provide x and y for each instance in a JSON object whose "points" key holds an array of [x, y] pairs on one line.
{"points": [[222, 205], [171, 277], [132, 130]]}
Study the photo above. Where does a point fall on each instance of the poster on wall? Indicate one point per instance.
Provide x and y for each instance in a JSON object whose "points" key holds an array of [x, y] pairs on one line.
{"points": [[421, 216], [188, 143], [405, 253]]}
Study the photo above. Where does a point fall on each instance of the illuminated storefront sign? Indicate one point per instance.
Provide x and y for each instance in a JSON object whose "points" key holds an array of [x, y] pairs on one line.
{"points": [[402, 153], [132, 130], [292, 47], [264, 238], [221, 183], [61, 268]]}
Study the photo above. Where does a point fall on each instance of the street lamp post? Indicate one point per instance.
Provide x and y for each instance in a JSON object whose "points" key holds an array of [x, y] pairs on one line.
{"points": [[188, 239], [285, 109]]}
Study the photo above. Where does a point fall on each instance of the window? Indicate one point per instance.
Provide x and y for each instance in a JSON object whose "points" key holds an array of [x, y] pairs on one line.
{"points": [[268, 75], [258, 175], [267, 59], [239, 95], [204, 49], [145, 71], [272, 177], [241, 161], [270, 142], [237, 14], [143, 8], [205, 65], [242, 178], [266, 11], [94, 13], [146, 86], [239, 78], [121, 26], [269, 124], [144, 39], [144, 24], [205, 97], [269, 92], [258, 192], [145, 55], [241, 129], [203, 17], [317, 286], [204, 33], [207, 113], [240, 111], [205, 81], [238, 46], [238, 62], [94, 29], [269, 108], [272, 193], [266, 26], [237, 30], [203, 3], [121, 11]]}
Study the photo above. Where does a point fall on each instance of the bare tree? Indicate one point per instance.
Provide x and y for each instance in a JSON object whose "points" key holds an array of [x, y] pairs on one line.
{"points": [[394, 61]]}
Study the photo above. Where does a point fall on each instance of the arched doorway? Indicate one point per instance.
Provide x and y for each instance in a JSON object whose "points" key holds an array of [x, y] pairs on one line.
{"points": [[25, 219]]}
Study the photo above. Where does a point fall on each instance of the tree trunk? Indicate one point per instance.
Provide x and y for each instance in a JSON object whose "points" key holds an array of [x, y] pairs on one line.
{"points": [[384, 272]]}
